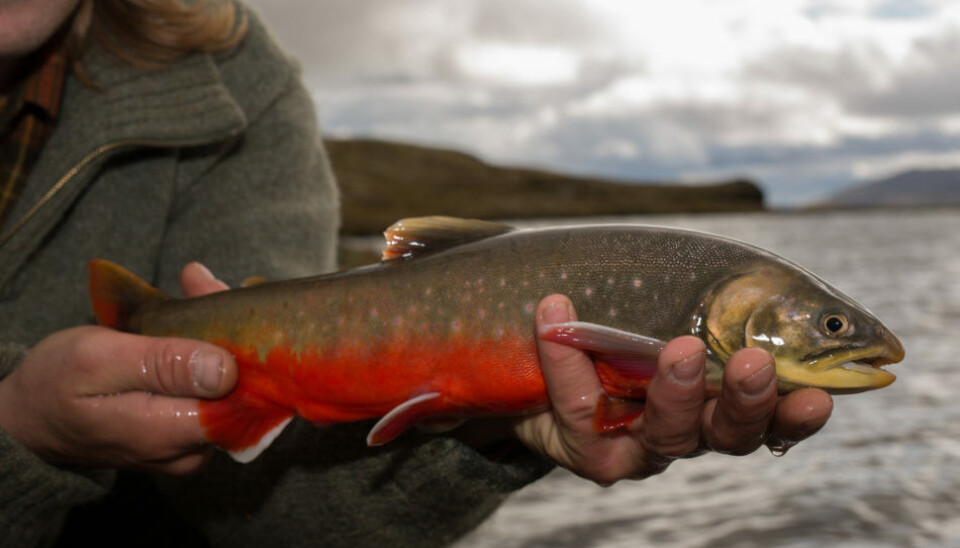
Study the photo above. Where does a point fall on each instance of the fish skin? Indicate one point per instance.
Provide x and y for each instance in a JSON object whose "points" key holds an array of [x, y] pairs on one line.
{"points": [[455, 322]]}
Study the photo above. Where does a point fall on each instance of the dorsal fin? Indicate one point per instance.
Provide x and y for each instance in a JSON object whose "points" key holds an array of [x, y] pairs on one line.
{"points": [[415, 236]]}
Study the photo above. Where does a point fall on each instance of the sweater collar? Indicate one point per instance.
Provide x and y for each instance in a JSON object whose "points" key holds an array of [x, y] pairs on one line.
{"points": [[183, 104]]}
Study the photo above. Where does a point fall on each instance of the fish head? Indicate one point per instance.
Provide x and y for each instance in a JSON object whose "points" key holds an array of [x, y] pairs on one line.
{"points": [[818, 336]]}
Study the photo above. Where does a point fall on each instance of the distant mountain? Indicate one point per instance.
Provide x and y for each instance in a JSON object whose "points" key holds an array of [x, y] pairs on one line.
{"points": [[381, 182], [916, 188]]}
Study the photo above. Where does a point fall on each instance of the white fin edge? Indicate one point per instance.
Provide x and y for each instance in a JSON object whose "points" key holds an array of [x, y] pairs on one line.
{"points": [[247, 455], [397, 411]]}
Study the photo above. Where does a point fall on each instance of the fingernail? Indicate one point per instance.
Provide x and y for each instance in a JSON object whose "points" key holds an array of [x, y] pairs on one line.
{"points": [[556, 312], [757, 383], [204, 271], [687, 370], [207, 370]]}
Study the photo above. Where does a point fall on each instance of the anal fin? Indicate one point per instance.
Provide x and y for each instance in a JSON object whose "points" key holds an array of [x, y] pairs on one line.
{"points": [[243, 424]]}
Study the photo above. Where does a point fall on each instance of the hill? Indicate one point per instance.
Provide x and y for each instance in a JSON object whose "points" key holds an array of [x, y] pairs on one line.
{"points": [[915, 188], [382, 181]]}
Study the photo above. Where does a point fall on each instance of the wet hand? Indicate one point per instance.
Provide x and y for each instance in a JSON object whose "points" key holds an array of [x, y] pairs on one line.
{"points": [[679, 420], [94, 396]]}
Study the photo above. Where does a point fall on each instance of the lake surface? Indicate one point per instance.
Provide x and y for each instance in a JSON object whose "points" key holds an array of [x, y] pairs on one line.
{"points": [[885, 471]]}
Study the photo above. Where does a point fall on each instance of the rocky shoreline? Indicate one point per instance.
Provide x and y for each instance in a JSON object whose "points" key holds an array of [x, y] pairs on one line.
{"points": [[381, 182]]}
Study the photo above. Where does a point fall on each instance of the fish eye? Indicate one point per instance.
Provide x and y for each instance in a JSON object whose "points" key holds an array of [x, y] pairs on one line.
{"points": [[835, 325]]}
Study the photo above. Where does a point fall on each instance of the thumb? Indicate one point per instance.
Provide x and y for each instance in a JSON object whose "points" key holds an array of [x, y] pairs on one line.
{"points": [[123, 362], [196, 280], [569, 373]]}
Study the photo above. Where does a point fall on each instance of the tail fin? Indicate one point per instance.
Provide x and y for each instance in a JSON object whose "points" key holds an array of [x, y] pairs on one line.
{"points": [[116, 293]]}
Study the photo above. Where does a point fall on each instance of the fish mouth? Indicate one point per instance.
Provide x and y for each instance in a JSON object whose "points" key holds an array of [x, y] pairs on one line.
{"points": [[843, 370]]}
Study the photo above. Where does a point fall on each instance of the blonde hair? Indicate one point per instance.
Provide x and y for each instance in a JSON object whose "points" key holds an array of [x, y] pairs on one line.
{"points": [[153, 33]]}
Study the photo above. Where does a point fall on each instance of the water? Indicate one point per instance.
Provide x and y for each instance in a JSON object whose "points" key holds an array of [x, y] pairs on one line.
{"points": [[885, 471]]}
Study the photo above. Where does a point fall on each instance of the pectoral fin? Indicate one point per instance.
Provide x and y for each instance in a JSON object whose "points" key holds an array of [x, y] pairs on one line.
{"points": [[625, 361]]}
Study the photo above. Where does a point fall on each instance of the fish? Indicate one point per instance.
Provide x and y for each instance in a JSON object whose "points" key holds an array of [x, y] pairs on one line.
{"points": [[442, 329]]}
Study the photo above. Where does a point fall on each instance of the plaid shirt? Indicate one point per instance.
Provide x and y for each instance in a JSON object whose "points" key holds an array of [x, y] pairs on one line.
{"points": [[27, 118]]}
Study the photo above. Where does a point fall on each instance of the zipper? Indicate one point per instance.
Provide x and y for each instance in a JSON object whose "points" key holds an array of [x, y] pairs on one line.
{"points": [[69, 175], [55, 189]]}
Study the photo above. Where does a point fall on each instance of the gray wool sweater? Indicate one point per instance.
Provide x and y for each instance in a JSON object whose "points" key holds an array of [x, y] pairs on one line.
{"points": [[217, 159]]}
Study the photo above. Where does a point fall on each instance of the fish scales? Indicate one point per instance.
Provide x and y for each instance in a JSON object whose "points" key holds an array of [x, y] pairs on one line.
{"points": [[456, 321], [483, 290]]}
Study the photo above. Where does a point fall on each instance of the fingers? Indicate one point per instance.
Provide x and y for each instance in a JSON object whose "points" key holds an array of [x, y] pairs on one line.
{"points": [[799, 415], [569, 373], [161, 444], [675, 399], [197, 280], [737, 422], [144, 428], [112, 362]]}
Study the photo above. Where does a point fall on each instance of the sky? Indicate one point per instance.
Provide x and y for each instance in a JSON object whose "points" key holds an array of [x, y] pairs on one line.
{"points": [[802, 96]]}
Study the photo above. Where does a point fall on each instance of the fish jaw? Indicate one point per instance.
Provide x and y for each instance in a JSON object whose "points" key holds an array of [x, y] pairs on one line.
{"points": [[844, 371]]}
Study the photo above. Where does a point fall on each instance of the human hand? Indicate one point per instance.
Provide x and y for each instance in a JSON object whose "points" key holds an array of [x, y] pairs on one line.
{"points": [[94, 396], [678, 421]]}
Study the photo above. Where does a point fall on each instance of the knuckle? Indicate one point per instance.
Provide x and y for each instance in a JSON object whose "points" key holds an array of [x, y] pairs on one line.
{"points": [[653, 465], [574, 416], [85, 351], [672, 445], [164, 366], [738, 443]]}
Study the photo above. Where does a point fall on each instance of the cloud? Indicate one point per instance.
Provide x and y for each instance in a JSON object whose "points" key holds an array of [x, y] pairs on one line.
{"points": [[866, 81], [800, 94], [919, 87]]}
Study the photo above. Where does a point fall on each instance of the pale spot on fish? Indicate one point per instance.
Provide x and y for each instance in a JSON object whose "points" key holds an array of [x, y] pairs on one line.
{"points": [[467, 298], [541, 275], [499, 332], [503, 282], [526, 283], [613, 312], [609, 281], [588, 291], [374, 313], [528, 308], [500, 304], [428, 291], [455, 325], [397, 321], [481, 314], [637, 282], [412, 309], [302, 313]]}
